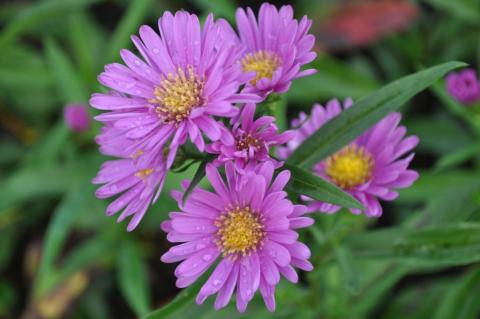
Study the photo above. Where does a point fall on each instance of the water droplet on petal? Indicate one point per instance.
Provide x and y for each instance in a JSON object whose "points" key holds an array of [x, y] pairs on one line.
{"points": [[194, 265], [216, 282], [156, 51], [207, 257], [200, 246], [137, 62]]}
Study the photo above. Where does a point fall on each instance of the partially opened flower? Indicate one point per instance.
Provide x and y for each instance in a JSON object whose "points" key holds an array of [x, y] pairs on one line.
{"points": [[137, 180], [276, 47], [464, 86], [369, 168], [187, 76], [252, 140], [249, 226]]}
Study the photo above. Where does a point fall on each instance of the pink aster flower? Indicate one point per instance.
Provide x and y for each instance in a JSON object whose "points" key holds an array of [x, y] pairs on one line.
{"points": [[369, 168], [249, 227], [76, 117], [137, 180], [187, 76], [276, 47], [252, 140], [464, 86]]}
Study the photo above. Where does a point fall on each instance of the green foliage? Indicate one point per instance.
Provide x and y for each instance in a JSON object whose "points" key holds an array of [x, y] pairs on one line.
{"points": [[306, 183], [129, 24], [132, 278], [420, 260], [363, 114]]}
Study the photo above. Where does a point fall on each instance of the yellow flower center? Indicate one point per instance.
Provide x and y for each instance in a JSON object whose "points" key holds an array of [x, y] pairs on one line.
{"points": [[349, 167], [264, 63], [240, 231], [244, 141], [177, 95], [143, 173]]}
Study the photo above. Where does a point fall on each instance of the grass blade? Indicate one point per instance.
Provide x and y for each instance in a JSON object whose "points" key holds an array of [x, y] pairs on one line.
{"points": [[365, 113]]}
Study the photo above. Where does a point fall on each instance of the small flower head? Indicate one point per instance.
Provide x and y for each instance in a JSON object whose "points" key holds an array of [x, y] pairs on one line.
{"points": [[137, 179], [252, 140], [369, 168], [76, 117], [249, 226], [188, 75], [464, 86], [276, 47]]}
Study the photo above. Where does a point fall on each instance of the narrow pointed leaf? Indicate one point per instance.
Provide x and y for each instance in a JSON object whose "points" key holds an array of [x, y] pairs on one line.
{"points": [[364, 113], [303, 182], [199, 174], [128, 25], [69, 84], [132, 278]]}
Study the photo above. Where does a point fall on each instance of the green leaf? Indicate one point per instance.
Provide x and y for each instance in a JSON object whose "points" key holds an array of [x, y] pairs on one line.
{"points": [[376, 290], [33, 181], [94, 251], [35, 15], [51, 146], [132, 278], [30, 182], [128, 25], [221, 8], [466, 10], [440, 184], [277, 107], [58, 229], [70, 86], [457, 157], [185, 297], [461, 301], [449, 245], [86, 39], [363, 114], [197, 178], [303, 182], [348, 267]]}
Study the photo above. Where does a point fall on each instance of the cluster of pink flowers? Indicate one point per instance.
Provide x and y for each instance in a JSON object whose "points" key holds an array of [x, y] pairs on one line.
{"points": [[202, 85]]}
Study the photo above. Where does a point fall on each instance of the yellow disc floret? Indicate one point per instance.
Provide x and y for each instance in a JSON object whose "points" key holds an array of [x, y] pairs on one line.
{"points": [[263, 63], [350, 167], [178, 94], [143, 173], [240, 231], [245, 141]]}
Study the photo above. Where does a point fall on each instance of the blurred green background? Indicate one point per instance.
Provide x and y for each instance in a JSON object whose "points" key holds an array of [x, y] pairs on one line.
{"points": [[61, 257]]}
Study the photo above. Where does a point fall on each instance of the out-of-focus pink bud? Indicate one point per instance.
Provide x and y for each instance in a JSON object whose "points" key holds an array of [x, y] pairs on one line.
{"points": [[76, 117]]}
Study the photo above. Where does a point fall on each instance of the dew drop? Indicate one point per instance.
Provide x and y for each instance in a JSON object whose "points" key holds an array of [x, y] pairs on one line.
{"points": [[194, 265], [216, 282], [207, 257], [200, 246], [137, 62], [156, 51]]}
